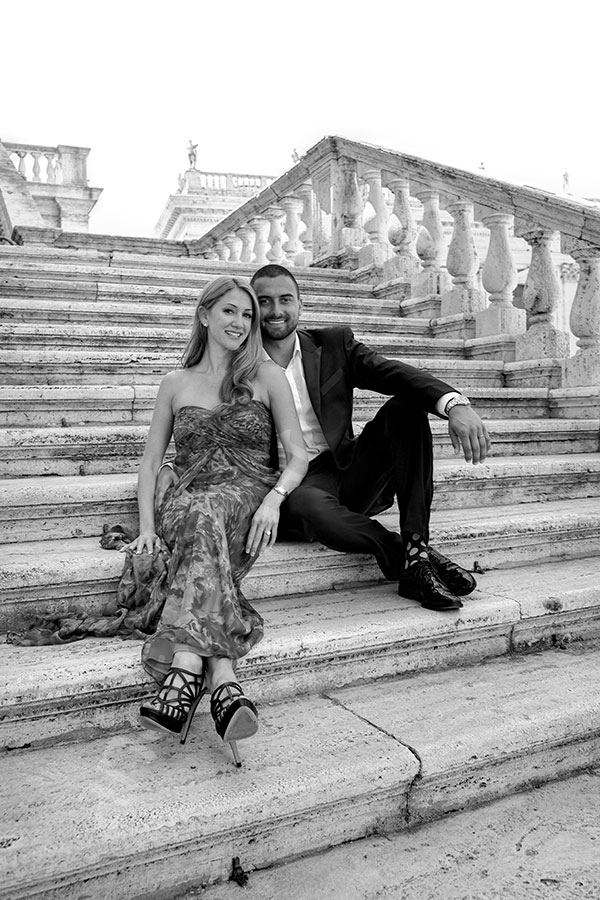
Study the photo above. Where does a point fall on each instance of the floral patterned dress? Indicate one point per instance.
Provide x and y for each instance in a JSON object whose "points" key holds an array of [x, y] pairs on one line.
{"points": [[188, 592], [205, 516]]}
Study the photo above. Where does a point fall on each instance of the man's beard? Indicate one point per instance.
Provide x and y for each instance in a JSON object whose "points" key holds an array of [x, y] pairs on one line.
{"points": [[282, 331]]}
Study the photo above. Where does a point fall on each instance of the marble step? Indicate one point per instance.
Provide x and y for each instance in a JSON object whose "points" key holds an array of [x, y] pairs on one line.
{"points": [[135, 814], [414, 339], [141, 366], [56, 507], [96, 449], [28, 406], [180, 315], [312, 643], [50, 576]]}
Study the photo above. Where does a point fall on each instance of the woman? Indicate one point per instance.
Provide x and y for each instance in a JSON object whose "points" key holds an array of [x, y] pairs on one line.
{"points": [[220, 514], [181, 584]]}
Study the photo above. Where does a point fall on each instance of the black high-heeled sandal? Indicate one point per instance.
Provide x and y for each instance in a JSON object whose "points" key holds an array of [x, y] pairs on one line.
{"points": [[235, 716], [173, 708]]}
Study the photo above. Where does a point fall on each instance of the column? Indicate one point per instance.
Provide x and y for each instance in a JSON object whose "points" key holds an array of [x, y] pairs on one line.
{"points": [[260, 227], [275, 216], [247, 236], [403, 237], [462, 263], [499, 280], [292, 207], [541, 294], [234, 246], [378, 250], [584, 367], [431, 249], [305, 233], [347, 206]]}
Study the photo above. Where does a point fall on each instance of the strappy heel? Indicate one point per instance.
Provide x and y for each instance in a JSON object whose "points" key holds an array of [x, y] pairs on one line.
{"points": [[235, 716], [173, 708]]}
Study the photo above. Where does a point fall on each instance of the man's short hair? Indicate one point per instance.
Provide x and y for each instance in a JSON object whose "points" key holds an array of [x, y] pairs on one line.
{"points": [[274, 270]]}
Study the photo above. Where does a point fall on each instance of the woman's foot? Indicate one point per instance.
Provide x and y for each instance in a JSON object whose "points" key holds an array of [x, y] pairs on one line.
{"points": [[235, 717], [173, 708]]}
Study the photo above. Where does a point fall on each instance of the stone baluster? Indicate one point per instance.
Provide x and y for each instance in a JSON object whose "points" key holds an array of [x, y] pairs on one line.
{"points": [[247, 236], [234, 246], [305, 234], [346, 207], [260, 228], [499, 280], [403, 238], [431, 247], [584, 367], [378, 250], [462, 263], [36, 166], [276, 217], [292, 207], [541, 295], [222, 250], [22, 168], [50, 168]]}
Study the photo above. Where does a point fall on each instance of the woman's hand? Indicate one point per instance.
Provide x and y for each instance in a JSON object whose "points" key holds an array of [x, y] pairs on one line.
{"points": [[263, 530], [146, 542]]}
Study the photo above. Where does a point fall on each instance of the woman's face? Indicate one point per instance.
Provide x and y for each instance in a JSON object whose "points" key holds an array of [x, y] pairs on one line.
{"points": [[229, 321]]}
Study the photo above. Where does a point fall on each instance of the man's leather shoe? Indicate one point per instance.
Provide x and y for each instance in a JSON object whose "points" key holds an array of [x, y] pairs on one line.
{"points": [[420, 582], [457, 579]]}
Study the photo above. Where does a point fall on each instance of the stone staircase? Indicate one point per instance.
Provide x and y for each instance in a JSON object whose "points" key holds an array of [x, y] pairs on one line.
{"points": [[375, 714]]}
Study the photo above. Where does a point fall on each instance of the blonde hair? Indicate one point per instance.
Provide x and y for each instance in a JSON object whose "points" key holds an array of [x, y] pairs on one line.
{"points": [[237, 384]]}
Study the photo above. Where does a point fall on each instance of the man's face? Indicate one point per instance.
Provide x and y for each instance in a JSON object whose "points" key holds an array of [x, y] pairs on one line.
{"points": [[279, 306]]}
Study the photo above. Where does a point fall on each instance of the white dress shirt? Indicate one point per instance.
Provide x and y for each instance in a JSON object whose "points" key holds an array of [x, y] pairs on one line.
{"points": [[314, 439]]}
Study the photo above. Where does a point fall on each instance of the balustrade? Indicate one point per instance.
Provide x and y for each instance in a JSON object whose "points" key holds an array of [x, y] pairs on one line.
{"points": [[352, 205]]}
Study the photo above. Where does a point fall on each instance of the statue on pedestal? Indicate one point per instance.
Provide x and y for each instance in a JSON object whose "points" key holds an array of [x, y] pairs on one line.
{"points": [[192, 154]]}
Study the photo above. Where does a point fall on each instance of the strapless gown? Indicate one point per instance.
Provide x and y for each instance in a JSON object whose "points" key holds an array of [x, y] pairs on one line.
{"points": [[189, 591]]}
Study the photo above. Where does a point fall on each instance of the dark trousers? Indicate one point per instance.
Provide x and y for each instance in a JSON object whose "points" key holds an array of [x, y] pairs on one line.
{"points": [[393, 457]]}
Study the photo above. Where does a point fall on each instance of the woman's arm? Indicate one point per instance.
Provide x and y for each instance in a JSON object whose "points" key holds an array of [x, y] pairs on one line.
{"points": [[273, 383], [159, 435]]}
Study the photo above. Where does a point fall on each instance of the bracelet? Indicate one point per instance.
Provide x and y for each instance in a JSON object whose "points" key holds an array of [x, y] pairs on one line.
{"points": [[280, 490]]}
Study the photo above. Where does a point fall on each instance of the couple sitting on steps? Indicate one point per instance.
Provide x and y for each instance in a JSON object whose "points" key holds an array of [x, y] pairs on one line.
{"points": [[264, 447]]}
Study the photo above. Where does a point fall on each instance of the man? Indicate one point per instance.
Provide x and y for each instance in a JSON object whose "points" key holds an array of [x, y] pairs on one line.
{"points": [[351, 479]]}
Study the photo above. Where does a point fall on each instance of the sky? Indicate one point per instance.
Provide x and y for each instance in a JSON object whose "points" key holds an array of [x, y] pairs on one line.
{"points": [[512, 85]]}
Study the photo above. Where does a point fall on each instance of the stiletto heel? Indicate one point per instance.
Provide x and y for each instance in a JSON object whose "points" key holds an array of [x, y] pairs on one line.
{"points": [[235, 716], [173, 708], [236, 756]]}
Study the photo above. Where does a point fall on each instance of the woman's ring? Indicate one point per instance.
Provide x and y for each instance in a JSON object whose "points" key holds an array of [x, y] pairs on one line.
{"points": [[268, 533]]}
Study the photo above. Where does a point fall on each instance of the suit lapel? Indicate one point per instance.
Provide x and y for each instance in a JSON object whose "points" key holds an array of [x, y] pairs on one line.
{"points": [[311, 361]]}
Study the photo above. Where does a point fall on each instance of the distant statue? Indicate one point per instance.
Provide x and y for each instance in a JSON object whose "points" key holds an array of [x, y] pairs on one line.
{"points": [[180, 183], [295, 156], [565, 182], [192, 155], [481, 167]]}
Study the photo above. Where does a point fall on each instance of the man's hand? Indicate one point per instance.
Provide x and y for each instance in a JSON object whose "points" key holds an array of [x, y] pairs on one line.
{"points": [[468, 431]]}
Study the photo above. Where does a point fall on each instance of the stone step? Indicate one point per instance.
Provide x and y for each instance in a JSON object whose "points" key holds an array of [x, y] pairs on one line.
{"points": [[56, 507], [415, 339], [136, 814], [95, 449], [539, 843], [136, 366], [65, 405], [59, 576], [26, 314], [312, 644]]}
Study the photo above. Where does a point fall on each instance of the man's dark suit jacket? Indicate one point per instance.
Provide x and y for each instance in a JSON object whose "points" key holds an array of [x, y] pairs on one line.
{"points": [[335, 363]]}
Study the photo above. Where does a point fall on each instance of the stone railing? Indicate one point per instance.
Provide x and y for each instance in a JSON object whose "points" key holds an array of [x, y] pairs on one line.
{"points": [[50, 165], [42, 185], [351, 204], [228, 182]]}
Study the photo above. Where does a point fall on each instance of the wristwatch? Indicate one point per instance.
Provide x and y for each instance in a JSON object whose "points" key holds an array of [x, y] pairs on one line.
{"points": [[459, 400], [280, 490]]}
